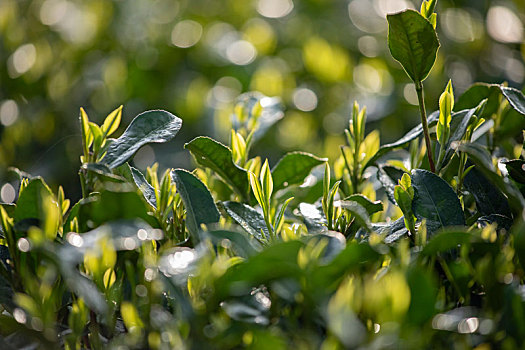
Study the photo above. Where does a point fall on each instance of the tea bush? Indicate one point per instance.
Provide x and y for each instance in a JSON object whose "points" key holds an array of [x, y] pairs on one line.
{"points": [[406, 245]]}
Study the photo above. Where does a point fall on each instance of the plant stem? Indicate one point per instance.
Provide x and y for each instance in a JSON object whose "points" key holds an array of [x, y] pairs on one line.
{"points": [[420, 96]]}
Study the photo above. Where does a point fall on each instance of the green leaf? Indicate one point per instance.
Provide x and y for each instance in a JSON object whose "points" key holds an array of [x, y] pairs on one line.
{"points": [[477, 93], [257, 191], [359, 213], [149, 127], [266, 181], [423, 293], [199, 204], [435, 201], [413, 43], [482, 159], [248, 218], [461, 121], [389, 176], [216, 156], [293, 168], [112, 122], [102, 172], [28, 204], [405, 140], [87, 137], [449, 239], [370, 206], [516, 169], [515, 98], [489, 199], [243, 244], [144, 186]]}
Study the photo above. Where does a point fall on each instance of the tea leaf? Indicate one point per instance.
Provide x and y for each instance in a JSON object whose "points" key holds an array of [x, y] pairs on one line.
{"points": [[147, 190], [516, 169], [199, 204], [293, 168], [413, 43], [435, 200], [28, 204], [149, 127], [248, 218], [112, 122], [515, 98], [216, 156], [449, 239], [359, 213], [405, 140], [370, 206], [489, 199]]}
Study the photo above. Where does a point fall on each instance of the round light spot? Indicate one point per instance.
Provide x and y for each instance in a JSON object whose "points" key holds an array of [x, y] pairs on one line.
{"points": [[7, 193], [129, 243], [368, 46], [504, 25], [241, 52], [23, 245], [22, 60], [19, 315], [53, 11], [149, 274], [8, 112], [75, 239], [141, 290], [468, 325], [274, 8], [186, 34], [410, 94], [305, 99], [142, 234]]}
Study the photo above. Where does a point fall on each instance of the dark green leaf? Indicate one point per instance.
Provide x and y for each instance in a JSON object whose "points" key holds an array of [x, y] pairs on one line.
{"points": [[199, 204], [242, 243], [248, 218], [435, 201], [314, 218], [293, 168], [449, 239], [477, 93], [370, 206], [359, 213], [405, 140], [413, 43], [28, 204], [216, 156], [458, 127], [423, 293], [147, 190], [515, 98], [482, 159], [489, 199], [516, 169], [149, 127], [389, 176]]}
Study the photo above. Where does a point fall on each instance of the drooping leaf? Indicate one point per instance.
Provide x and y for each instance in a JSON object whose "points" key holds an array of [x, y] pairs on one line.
{"points": [[28, 204], [197, 199], [482, 159], [435, 201], [147, 190], [515, 98], [149, 127], [248, 218], [314, 217], [413, 43], [216, 156], [102, 172], [489, 199], [293, 168], [405, 140], [359, 213], [370, 206]]}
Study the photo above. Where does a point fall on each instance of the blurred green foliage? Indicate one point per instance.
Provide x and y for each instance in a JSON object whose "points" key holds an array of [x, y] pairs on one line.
{"points": [[193, 57]]}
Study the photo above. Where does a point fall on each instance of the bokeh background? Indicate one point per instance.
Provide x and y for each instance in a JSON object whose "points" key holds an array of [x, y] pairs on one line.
{"points": [[193, 57]]}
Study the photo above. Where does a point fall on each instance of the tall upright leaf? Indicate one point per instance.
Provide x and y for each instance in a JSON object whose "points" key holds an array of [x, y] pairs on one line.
{"points": [[155, 126]]}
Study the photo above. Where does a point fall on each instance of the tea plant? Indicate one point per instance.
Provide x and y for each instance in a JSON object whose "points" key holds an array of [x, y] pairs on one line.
{"points": [[241, 254]]}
